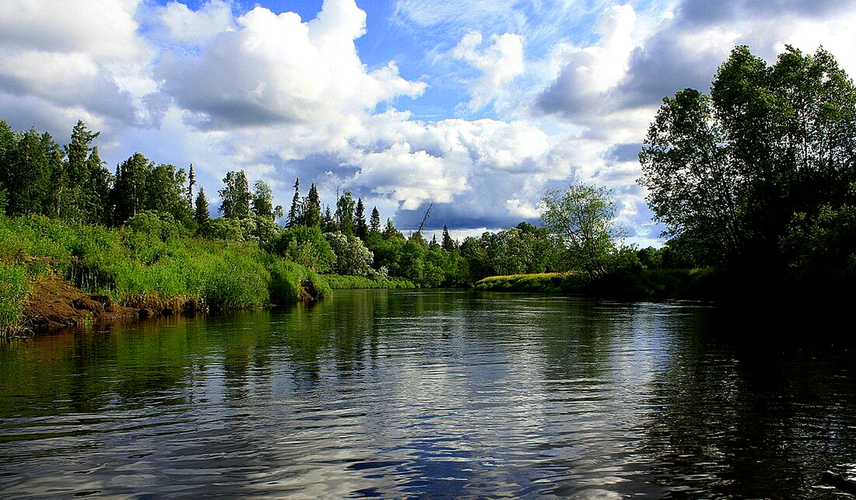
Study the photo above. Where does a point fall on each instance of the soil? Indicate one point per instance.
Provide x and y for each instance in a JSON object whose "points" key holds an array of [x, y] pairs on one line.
{"points": [[54, 303]]}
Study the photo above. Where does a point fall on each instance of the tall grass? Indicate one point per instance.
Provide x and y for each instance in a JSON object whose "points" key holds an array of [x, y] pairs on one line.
{"points": [[570, 282], [140, 269], [338, 281], [13, 293]]}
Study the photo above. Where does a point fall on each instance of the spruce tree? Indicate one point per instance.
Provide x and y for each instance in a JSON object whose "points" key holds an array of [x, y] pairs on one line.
{"points": [[201, 214], [330, 225], [191, 181], [374, 226], [448, 242], [294, 213], [434, 245], [360, 227], [312, 208]]}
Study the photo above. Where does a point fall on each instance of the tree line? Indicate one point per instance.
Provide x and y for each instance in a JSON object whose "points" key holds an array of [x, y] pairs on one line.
{"points": [[39, 177]]}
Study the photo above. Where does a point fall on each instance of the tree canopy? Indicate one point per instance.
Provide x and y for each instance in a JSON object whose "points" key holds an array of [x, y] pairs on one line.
{"points": [[729, 172]]}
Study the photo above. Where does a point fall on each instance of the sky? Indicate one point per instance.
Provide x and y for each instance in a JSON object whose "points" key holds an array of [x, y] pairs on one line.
{"points": [[476, 106]]}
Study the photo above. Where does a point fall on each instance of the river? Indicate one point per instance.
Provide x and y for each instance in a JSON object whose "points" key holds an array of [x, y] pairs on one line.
{"points": [[429, 393]]}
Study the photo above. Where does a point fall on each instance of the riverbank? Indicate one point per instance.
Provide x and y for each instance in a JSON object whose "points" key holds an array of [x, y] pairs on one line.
{"points": [[698, 284], [146, 271]]}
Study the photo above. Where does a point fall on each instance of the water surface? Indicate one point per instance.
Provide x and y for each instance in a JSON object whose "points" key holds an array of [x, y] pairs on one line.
{"points": [[435, 393]]}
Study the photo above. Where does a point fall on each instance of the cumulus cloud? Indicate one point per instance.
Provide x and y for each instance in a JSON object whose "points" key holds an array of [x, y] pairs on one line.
{"points": [[67, 60], [588, 73], [277, 69], [499, 64], [199, 26]]}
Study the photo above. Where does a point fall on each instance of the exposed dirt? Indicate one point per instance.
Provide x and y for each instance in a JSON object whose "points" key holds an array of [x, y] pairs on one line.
{"points": [[54, 303]]}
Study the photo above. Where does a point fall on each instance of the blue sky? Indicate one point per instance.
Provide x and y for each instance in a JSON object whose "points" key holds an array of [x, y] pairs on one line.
{"points": [[476, 106]]}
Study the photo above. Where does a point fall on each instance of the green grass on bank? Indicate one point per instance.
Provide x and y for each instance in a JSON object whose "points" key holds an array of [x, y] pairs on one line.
{"points": [[703, 284], [13, 293], [337, 281], [569, 282], [148, 269]]}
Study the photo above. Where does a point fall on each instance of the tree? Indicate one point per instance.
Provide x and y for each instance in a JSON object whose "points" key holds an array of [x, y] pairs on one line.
{"points": [[389, 231], [129, 192], [581, 218], [448, 243], [360, 227], [352, 256], [345, 213], [728, 171], [312, 208], [201, 215], [191, 181], [235, 195], [329, 222], [262, 202], [295, 212], [374, 225]]}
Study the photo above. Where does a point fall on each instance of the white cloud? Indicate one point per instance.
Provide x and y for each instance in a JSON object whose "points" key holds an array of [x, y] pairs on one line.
{"points": [[63, 61], [500, 63], [277, 69], [586, 74], [199, 26], [101, 29]]}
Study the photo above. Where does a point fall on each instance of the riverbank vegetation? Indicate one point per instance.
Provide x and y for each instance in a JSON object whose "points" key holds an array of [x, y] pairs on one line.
{"points": [[758, 177]]}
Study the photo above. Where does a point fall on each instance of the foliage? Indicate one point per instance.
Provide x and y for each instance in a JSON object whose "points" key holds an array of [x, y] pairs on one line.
{"points": [[141, 264], [262, 202], [728, 172], [345, 214], [352, 256], [306, 246], [201, 214], [581, 218], [235, 196]]}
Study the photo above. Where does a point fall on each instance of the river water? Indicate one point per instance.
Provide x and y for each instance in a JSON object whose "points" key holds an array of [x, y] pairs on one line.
{"points": [[433, 394]]}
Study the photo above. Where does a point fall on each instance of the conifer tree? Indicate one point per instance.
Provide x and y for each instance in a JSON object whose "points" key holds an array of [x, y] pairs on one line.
{"points": [[294, 213], [448, 242], [434, 245], [374, 225], [330, 225], [201, 214], [312, 208], [360, 227], [191, 181]]}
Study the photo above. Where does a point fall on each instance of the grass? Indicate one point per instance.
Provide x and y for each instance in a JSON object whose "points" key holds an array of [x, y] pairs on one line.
{"points": [[13, 293], [139, 269], [570, 282], [703, 284], [338, 281]]}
